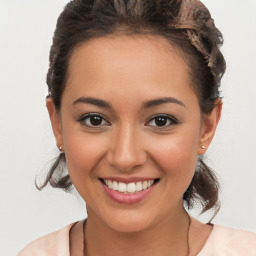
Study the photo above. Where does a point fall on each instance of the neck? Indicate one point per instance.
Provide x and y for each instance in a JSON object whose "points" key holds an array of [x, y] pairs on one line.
{"points": [[167, 237]]}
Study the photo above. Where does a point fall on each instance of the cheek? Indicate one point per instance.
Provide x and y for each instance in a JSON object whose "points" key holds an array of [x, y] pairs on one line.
{"points": [[177, 157], [83, 152]]}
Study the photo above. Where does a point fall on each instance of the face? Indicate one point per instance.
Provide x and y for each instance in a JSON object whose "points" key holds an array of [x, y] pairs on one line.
{"points": [[131, 128]]}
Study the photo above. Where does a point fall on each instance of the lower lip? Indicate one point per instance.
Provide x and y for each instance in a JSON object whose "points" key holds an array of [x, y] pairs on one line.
{"points": [[127, 198]]}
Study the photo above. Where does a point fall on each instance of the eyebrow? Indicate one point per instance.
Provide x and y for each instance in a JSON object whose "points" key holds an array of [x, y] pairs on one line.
{"points": [[147, 104], [93, 101], [160, 101]]}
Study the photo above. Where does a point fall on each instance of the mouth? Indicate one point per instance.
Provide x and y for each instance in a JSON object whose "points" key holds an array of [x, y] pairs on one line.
{"points": [[128, 192], [129, 188]]}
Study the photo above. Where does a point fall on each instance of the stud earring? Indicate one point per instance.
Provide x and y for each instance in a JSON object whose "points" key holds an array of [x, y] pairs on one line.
{"points": [[203, 147], [60, 148]]}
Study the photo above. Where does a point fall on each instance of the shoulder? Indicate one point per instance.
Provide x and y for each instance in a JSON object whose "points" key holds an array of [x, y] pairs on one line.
{"points": [[53, 244], [225, 241]]}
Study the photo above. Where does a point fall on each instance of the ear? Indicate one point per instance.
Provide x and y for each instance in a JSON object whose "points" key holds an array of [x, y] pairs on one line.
{"points": [[55, 121], [209, 125]]}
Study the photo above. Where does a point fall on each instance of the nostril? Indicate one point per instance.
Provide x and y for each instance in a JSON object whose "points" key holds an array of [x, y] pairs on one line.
{"points": [[125, 154]]}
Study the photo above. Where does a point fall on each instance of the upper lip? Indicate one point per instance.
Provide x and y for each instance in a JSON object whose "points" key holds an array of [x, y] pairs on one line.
{"points": [[129, 179]]}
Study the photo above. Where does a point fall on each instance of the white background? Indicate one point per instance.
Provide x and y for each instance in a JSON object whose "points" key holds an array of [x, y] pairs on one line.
{"points": [[27, 144]]}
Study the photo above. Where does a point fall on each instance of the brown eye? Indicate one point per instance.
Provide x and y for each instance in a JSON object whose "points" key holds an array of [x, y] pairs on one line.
{"points": [[162, 121], [93, 120]]}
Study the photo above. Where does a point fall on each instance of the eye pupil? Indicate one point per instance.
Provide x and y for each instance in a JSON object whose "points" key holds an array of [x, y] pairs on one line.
{"points": [[95, 120], [161, 121]]}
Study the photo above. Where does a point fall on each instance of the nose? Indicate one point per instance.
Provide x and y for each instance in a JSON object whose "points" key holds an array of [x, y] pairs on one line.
{"points": [[126, 151]]}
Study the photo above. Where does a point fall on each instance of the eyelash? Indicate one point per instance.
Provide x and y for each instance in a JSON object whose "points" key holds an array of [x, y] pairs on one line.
{"points": [[171, 119], [90, 115]]}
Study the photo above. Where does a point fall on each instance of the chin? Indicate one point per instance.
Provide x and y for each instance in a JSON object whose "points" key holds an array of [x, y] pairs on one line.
{"points": [[129, 222]]}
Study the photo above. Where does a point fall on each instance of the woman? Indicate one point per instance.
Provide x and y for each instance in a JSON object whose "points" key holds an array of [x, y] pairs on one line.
{"points": [[134, 103]]}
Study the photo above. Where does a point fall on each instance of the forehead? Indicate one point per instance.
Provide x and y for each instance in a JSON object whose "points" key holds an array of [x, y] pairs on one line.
{"points": [[148, 66], [126, 50]]}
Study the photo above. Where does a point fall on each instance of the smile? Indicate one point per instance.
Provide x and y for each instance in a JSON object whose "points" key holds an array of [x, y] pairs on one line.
{"points": [[130, 188], [128, 191]]}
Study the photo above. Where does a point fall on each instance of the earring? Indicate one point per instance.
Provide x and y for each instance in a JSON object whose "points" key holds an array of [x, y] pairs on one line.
{"points": [[60, 148], [203, 147]]}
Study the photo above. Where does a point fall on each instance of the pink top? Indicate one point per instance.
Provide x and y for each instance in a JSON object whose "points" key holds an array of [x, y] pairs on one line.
{"points": [[223, 241]]}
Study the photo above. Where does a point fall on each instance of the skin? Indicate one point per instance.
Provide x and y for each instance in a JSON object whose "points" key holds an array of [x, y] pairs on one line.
{"points": [[126, 72]]}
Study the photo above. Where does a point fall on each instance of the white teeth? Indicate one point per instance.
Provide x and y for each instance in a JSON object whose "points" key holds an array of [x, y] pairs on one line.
{"points": [[122, 187], [145, 185], [130, 187], [139, 186], [114, 185]]}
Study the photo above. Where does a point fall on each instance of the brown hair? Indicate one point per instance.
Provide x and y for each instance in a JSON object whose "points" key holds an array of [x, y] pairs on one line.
{"points": [[186, 24]]}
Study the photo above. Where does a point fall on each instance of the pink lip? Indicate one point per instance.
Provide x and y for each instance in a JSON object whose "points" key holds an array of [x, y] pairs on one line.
{"points": [[127, 198]]}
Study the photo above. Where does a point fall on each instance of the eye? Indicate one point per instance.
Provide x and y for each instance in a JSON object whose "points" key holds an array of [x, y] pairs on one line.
{"points": [[162, 121], [93, 120]]}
